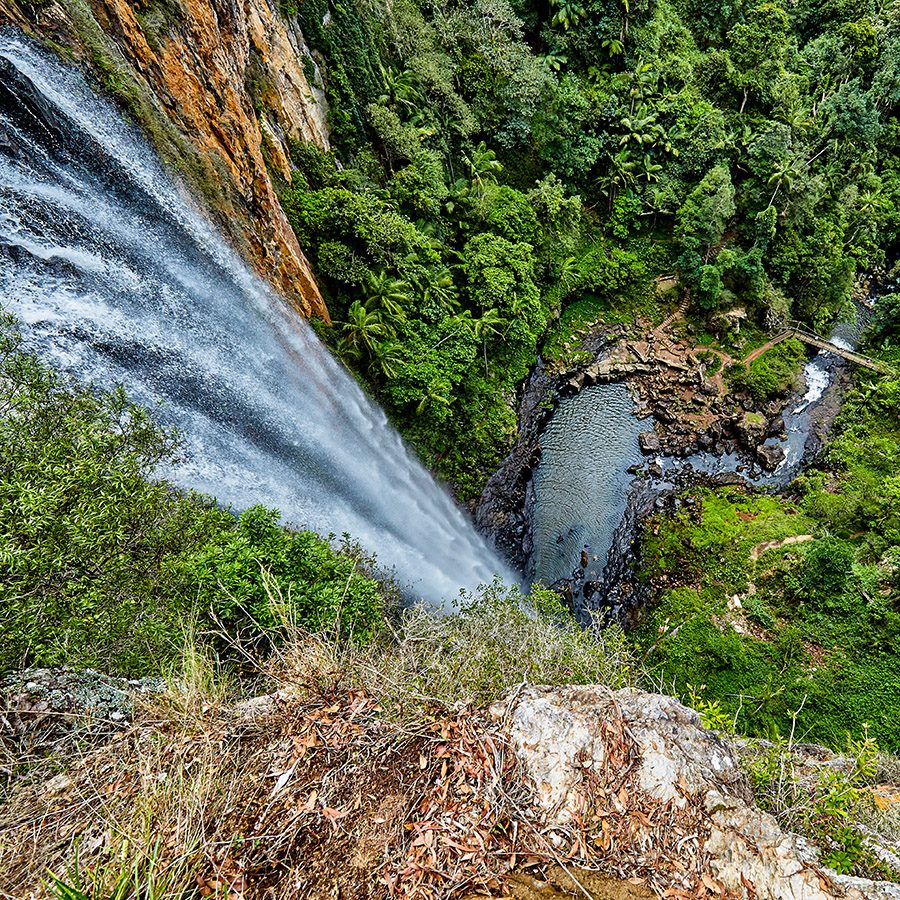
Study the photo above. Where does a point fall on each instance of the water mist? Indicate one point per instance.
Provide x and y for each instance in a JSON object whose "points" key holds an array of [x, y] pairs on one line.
{"points": [[118, 279]]}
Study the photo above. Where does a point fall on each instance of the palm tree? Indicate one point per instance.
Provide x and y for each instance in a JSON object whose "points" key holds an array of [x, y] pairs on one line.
{"points": [[489, 323], [437, 285], [623, 170], [866, 205], [649, 169], [657, 204], [555, 60], [640, 129], [614, 46], [362, 333], [400, 89], [484, 167], [388, 356], [568, 274], [797, 117], [387, 295], [784, 176], [437, 395]]}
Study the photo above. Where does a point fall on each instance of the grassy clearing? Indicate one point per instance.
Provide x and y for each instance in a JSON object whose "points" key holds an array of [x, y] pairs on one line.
{"points": [[772, 374], [563, 340], [803, 627]]}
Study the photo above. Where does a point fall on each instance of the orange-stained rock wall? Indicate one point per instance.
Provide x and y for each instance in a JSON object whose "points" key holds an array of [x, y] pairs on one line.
{"points": [[220, 87]]}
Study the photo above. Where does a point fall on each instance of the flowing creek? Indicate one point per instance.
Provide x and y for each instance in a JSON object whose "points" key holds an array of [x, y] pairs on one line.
{"points": [[586, 502]]}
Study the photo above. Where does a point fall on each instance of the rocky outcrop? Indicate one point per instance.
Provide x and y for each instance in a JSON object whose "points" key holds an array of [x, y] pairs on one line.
{"points": [[220, 88], [43, 711], [503, 513], [537, 796], [576, 743]]}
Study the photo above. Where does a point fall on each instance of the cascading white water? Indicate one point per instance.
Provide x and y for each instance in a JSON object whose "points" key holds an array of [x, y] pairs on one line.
{"points": [[117, 279]]}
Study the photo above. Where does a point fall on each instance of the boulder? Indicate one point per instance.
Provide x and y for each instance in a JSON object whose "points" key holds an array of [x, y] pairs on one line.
{"points": [[770, 456], [574, 743], [649, 441]]}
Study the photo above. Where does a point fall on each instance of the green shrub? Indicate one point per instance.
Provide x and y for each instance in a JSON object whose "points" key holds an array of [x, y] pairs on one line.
{"points": [[104, 566], [827, 569], [264, 573]]}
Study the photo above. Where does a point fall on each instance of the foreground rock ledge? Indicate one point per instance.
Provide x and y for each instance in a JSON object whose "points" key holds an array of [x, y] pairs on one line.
{"points": [[562, 737], [550, 793]]}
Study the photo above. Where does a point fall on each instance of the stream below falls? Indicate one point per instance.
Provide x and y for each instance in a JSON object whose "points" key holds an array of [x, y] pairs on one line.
{"points": [[581, 519]]}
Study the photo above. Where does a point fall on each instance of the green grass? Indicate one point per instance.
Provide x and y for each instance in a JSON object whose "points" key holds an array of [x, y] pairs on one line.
{"points": [[815, 633], [772, 374]]}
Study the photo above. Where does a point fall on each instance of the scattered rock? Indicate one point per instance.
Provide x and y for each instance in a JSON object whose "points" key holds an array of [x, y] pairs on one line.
{"points": [[770, 456], [649, 441], [43, 706]]}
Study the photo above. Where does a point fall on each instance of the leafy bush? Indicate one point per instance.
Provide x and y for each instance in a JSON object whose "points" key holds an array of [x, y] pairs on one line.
{"points": [[830, 803], [104, 566], [265, 571], [827, 569]]}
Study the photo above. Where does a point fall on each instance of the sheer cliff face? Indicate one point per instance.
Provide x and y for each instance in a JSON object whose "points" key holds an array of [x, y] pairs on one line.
{"points": [[220, 87]]}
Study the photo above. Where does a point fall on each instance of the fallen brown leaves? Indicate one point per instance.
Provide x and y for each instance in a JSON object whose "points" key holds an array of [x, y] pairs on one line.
{"points": [[324, 797]]}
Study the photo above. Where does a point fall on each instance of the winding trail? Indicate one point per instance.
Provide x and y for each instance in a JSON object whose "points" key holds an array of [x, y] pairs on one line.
{"points": [[765, 546]]}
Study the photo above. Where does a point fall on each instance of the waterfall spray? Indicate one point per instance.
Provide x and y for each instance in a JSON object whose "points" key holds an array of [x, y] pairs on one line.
{"points": [[118, 279]]}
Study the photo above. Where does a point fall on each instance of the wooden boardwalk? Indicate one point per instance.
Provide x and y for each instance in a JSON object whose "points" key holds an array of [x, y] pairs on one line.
{"points": [[795, 330]]}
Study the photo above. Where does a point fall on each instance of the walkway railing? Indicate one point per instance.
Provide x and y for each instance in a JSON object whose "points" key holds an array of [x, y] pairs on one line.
{"points": [[797, 330]]}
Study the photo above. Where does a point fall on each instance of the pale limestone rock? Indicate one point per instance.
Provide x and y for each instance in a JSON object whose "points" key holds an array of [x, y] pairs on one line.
{"points": [[557, 733]]}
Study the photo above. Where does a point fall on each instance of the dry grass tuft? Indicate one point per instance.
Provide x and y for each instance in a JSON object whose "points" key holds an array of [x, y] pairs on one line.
{"points": [[327, 783], [469, 659]]}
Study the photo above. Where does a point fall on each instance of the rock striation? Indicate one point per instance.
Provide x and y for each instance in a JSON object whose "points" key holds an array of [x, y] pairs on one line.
{"points": [[220, 89]]}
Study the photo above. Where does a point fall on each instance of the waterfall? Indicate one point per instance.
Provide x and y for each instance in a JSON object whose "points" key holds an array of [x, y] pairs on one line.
{"points": [[118, 279]]}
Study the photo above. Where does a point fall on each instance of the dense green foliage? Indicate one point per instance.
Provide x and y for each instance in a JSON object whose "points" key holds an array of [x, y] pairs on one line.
{"points": [[105, 566], [500, 159]]}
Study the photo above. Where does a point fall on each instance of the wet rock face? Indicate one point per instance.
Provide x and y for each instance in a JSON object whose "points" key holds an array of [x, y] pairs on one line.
{"points": [[650, 442], [504, 511], [570, 739], [193, 73], [769, 456]]}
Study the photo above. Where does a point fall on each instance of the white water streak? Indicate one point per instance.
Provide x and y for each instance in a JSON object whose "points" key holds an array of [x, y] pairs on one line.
{"points": [[119, 280]]}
